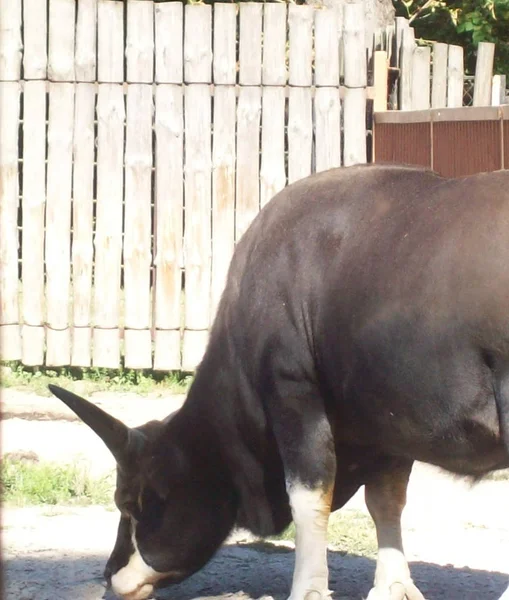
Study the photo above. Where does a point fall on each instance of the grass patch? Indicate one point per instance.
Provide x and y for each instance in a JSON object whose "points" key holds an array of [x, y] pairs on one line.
{"points": [[350, 532], [88, 381], [26, 483], [501, 475]]}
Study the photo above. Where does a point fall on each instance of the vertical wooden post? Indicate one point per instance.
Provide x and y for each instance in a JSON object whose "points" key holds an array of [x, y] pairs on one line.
{"points": [[327, 102], [169, 183], [10, 343], [300, 122], [223, 148], [197, 227], [58, 222], [82, 239], [86, 38], [406, 66], [140, 41], [455, 77], [420, 83], [10, 40], [169, 42], [110, 41], [439, 83], [381, 81], [248, 119], [61, 40], [34, 203], [484, 74], [498, 87], [108, 228], [355, 84], [274, 76], [35, 32]]}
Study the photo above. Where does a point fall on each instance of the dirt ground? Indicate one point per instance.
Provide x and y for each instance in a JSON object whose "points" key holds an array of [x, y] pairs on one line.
{"points": [[456, 536]]}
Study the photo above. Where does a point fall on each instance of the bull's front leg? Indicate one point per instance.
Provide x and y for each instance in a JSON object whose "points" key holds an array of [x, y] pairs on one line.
{"points": [[386, 499], [306, 445]]}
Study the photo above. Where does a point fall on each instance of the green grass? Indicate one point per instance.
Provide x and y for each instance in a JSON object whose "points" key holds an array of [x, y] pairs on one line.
{"points": [[350, 531], [26, 483], [502, 475], [87, 381]]}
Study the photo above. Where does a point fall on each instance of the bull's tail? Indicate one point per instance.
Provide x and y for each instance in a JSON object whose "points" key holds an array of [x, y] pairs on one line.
{"points": [[501, 389]]}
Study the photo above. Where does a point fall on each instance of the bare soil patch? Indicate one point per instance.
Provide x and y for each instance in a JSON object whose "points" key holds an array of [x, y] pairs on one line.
{"points": [[456, 536]]}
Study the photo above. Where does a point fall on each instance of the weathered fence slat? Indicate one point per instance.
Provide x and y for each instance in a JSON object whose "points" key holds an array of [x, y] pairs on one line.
{"points": [[455, 77], [300, 22], [300, 133], [35, 31], [58, 222], [110, 42], [498, 88], [225, 31], [33, 202], [61, 40], [82, 239], [326, 48], [274, 42], [272, 169], [223, 190], [250, 43], [140, 41], [381, 80], [169, 29], [439, 83], [223, 149], [328, 128], [420, 83], [10, 346], [248, 149], [354, 104], [354, 46], [86, 39], [10, 40], [406, 64], [483, 74], [108, 229], [169, 198], [197, 235], [197, 49], [137, 242]]}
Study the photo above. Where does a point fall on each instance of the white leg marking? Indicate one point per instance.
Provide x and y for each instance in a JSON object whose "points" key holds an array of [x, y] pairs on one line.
{"points": [[310, 511], [391, 568], [505, 595], [136, 580]]}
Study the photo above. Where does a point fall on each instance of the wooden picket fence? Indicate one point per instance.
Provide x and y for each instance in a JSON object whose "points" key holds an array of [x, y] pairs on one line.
{"points": [[139, 140], [129, 172]]}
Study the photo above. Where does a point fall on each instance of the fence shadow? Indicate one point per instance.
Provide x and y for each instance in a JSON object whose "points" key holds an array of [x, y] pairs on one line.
{"points": [[241, 573]]}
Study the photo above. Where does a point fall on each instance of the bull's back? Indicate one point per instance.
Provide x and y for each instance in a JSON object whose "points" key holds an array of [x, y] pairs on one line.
{"points": [[379, 282]]}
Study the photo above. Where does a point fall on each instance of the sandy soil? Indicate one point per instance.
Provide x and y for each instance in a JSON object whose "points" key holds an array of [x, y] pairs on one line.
{"points": [[457, 537]]}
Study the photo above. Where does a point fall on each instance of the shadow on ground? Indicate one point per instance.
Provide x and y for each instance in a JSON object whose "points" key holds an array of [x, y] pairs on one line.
{"points": [[243, 572]]}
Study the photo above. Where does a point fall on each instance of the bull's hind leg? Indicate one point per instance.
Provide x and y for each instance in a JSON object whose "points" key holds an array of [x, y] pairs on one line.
{"points": [[385, 499], [306, 445]]}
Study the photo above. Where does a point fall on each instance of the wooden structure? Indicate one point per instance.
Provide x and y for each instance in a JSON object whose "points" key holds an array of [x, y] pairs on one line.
{"points": [[140, 138]]}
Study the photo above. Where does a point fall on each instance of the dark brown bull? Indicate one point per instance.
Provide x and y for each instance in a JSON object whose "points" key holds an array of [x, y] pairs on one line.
{"points": [[364, 325]]}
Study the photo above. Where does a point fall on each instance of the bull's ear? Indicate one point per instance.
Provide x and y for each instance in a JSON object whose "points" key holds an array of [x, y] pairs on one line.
{"points": [[124, 443]]}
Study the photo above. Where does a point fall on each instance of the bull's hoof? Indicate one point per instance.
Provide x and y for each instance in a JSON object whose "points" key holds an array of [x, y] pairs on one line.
{"points": [[312, 595], [397, 591]]}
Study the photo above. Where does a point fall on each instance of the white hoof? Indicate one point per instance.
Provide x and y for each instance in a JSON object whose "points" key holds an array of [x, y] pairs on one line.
{"points": [[397, 591]]}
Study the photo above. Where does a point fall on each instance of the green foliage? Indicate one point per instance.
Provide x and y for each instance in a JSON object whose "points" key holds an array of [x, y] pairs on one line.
{"points": [[26, 482], [465, 22], [87, 381]]}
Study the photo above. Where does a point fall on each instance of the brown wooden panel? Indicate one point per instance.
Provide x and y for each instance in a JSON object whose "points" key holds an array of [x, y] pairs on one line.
{"points": [[408, 143], [506, 144], [466, 147]]}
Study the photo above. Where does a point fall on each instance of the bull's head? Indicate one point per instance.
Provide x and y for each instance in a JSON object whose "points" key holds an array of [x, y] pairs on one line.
{"points": [[174, 515]]}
